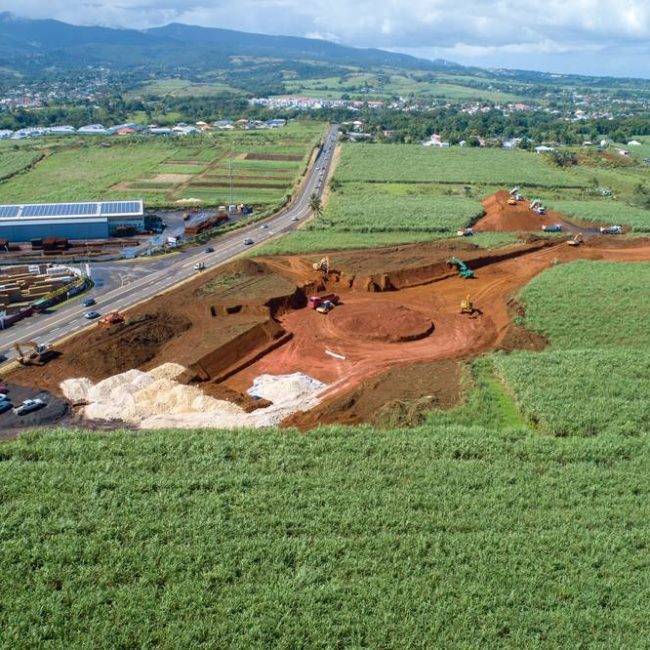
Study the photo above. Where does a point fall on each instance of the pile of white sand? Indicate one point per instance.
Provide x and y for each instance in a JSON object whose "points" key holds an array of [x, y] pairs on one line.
{"points": [[157, 399]]}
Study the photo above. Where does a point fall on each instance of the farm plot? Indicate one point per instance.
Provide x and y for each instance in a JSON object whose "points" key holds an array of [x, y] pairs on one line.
{"points": [[607, 212], [595, 378], [15, 160], [367, 208], [417, 164], [163, 171], [437, 537]]}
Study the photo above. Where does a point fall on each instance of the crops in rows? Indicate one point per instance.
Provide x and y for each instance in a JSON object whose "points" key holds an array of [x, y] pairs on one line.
{"points": [[130, 168], [607, 212], [415, 163], [368, 208], [433, 536], [595, 378], [15, 160]]}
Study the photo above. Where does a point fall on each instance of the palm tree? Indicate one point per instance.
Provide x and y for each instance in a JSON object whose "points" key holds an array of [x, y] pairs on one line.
{"points": [[316, 205]]}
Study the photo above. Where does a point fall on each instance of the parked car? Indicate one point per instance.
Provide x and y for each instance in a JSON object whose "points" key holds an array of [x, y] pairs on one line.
{"points": [[5, 405], [209, 249], [90, 315], [88, 302], [29, 405], [248, 241]]}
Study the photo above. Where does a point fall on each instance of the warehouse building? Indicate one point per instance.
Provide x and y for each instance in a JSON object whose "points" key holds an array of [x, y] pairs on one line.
{"points": [[98, 220]]}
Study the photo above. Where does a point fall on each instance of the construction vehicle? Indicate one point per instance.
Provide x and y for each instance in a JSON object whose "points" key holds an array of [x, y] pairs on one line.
{"points": [[576, 240], [554, 227], [611, 230], [465, 232], [110, 319], [325, 307], [36, 354], [512, 201], [514, 191], [463, 270], [199, 266], [323, 266], [467, 307], [315, 302]]}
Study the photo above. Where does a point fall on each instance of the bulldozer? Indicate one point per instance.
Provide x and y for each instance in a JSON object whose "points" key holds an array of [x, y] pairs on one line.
{"points": [[31, 353], [576, 240], [323, 266], [463, 270], [467, 307]]}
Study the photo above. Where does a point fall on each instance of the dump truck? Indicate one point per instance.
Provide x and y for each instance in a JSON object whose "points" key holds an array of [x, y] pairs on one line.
{"points": [[554, 227], [199, 266], [314, 302], [463, 270], [325, 307], [611, 230], [31, 353], [465, 232]]}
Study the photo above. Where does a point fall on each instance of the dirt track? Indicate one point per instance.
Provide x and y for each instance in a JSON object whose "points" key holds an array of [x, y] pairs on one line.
{"points": [[501, 217]]}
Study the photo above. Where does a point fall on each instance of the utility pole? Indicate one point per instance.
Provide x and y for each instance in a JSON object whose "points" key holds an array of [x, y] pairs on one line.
{"points": [[230, 171]]}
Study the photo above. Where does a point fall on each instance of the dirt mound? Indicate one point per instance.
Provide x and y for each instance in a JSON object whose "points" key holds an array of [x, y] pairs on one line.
{"points": [[499, 216], [399, 397], [389, 323], [110, 351]]}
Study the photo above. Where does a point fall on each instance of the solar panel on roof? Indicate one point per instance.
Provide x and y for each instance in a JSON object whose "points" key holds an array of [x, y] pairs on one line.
{"points": [[59, 209], [9, 210], [120, 207]]}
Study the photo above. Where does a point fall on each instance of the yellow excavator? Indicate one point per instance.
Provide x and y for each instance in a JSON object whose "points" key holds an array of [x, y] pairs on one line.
{"points": [[467, 307], [577, 240], [323, 266], [31, 353]]}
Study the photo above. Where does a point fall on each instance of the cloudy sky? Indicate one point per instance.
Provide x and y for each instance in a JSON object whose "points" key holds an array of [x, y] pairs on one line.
{"points": [[583, 36]]}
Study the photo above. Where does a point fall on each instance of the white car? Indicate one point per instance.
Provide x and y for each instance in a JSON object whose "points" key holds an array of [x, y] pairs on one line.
{"points": [[28, 406]]}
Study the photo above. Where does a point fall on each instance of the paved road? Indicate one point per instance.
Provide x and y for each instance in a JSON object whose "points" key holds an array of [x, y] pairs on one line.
{"points": [[122, 284]]}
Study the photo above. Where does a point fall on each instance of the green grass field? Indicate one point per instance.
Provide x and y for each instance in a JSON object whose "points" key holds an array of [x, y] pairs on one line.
{"points": [[448, 537], [369, 86], [183, 88], [607, 212], [418, 164], [595, 377], [15, 160], [139, 167]]}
